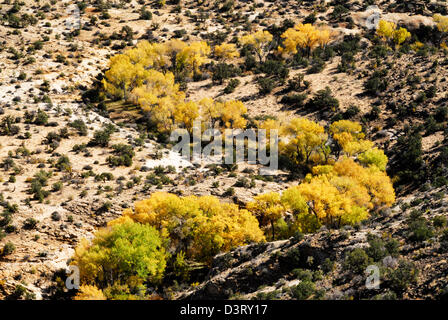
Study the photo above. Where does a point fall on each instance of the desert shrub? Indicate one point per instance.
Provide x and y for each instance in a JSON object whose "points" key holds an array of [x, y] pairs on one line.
{"points": [[419, 227], [38, 183], [338, 13], [30, 223], [123, 155], [57, 186], [350, 45], [41, 118], [357, 261], [265, 85], [145, 14], [102, 137], [409, 162], [351, 112], [80, 126], [379, 51], [291, 258], [294, 100], [403, 276], [347, 62], [328, 265], [63, 163], [377, 249], [324, 100], [250, 62], [224, 71], [444, 241], [104, 176], [303, 290], [8, 127], [8, 248], [231, 86], [392, 247], [6, 219], [295, 84], [275, 69], [441, 114], [317, 66], [440, 221], [53, 138], [55, 216], [303, 274], [79, 147], [376, 83]]}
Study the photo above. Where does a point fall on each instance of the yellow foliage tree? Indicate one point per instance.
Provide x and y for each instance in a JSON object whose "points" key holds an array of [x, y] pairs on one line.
{"points": [[401, 35], [344, 193], [374, 157], [199, 226], [140, 74], [325, 201], [349, 136], [232, 114], [388, 32], [303, 219], [268, 208], [132, 68], [377, 183], [160, 96], [226, 51], [305, 142], [192, 56], [386, 29], [442, 26], [128, 253], [87, 292], [123, 76], [304, 36], [229, 114], [185, 113], [268, 125], [150, 55], [260, 41], [442, 22], [210, 111]]}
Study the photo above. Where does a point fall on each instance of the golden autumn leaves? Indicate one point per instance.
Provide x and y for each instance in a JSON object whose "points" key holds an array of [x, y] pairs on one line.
{"points": [[305, 37], [346, 178], [164, 231], [346, 182], [146, 76], [389, 32], [152, 70]]}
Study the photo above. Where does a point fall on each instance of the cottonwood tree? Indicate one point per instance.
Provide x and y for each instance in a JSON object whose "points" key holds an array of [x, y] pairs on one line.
{"points": [[226, 51], [389, 32], [305, 37], [200, 227], [260, 41]]}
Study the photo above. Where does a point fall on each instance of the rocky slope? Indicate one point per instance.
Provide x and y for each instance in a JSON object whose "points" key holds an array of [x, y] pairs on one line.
{"points": [[48, 66]]}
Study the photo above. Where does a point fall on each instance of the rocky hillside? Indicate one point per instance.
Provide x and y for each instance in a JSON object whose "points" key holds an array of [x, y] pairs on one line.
{"points": [[63, 177]]}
